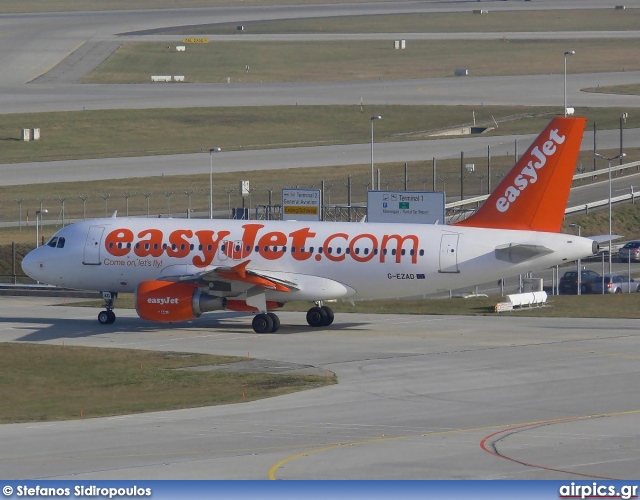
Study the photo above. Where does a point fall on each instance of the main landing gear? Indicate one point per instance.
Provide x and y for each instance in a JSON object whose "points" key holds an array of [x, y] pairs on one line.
{"points": [[108, 316], [316, 317], [319, 316]]}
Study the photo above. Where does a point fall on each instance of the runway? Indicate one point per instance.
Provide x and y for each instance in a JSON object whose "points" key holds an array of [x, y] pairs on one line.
{"points": [[419, 397]]}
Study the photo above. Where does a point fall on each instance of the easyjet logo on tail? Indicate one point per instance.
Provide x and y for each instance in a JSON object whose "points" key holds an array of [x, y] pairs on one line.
{"points": [[528, 174]]}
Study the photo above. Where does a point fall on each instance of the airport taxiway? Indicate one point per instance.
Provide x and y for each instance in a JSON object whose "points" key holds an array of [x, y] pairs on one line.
{"points": [[419, 397]]}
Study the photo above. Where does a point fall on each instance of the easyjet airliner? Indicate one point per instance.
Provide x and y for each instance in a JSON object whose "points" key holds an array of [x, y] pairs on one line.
{"points": [[181, 268]]}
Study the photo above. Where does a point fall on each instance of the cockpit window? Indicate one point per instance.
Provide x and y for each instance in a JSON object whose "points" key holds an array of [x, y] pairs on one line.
{"points": [[56, 242]]}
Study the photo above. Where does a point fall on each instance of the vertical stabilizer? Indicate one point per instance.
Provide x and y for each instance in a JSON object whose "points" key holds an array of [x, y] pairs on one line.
{"points": [[533, 195]]}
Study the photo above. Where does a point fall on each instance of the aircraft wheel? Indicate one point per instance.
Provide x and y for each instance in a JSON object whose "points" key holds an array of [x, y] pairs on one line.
{"points": [[262, 323], [330, 316], [276, 322], [316, 317], [112, 317], [103, 318]]}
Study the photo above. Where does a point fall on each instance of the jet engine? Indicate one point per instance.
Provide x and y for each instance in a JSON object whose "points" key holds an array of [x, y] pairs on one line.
{"points": [[168, 302]]}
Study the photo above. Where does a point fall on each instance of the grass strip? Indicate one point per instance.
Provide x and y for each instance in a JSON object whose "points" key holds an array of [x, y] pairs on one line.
{"points": [[360, 60], [435, 22], [49, 382]]}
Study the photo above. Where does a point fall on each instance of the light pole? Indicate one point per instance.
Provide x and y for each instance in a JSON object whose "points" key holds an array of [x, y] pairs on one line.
{"points": [[373, 119], [211, 151], [567, 53], [38, 215], [609, 160], [579, 260]]}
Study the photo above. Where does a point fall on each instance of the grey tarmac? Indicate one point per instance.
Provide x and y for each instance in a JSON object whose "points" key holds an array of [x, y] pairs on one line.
{"points": [[419, 397]]}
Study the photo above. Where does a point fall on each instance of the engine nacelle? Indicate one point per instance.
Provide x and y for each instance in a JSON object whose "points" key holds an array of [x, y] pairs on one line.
{"points": [[168, 302]]}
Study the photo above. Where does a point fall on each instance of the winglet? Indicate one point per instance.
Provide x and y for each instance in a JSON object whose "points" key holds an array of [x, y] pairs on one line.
{"points": [[533, 195]]}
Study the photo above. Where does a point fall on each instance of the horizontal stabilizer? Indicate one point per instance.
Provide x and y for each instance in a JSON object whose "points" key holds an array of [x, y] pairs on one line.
{"points": [[605, 237], [516, 253]]}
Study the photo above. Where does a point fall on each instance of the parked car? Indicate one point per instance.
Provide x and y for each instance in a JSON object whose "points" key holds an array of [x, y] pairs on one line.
{"points": [[632, 248], [619, 283], [590, 282]]}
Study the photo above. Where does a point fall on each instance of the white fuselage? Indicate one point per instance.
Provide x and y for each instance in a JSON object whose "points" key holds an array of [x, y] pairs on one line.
{"points": [[363, 260]]}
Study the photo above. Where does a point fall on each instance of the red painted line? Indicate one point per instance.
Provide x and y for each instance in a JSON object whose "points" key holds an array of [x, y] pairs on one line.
{"points": [[485, 440]]}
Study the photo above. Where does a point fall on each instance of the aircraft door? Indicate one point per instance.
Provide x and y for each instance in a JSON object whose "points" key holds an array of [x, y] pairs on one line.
{"points": [[92, 246], [449, 253]]}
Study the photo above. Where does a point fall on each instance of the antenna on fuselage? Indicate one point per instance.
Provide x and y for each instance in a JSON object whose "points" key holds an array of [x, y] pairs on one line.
{"points": [[115, 214]]}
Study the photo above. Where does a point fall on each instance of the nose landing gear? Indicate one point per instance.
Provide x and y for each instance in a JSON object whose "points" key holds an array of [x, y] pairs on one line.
{"points": [[107, 317]]}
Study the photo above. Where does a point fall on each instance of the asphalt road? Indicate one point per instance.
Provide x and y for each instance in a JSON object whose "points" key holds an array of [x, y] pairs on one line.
{"points": [[269, 159], [417, 396]]}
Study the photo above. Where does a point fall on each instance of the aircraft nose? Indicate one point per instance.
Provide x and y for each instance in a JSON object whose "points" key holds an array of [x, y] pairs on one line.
{"points": [[30, 264]]}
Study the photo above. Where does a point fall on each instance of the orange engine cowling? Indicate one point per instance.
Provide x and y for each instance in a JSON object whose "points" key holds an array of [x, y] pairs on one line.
{"points": [[168, 302]]}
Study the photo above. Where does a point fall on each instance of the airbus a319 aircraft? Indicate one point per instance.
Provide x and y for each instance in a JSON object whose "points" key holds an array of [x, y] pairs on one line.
{"points": [[181, 268]]}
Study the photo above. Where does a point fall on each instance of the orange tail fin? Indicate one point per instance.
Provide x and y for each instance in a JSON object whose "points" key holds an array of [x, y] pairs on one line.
{"points": [[533, 195]]}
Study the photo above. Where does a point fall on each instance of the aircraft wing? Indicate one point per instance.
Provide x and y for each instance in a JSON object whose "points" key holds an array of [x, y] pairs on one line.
{"points": [[227, 280], [518, 252]]}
